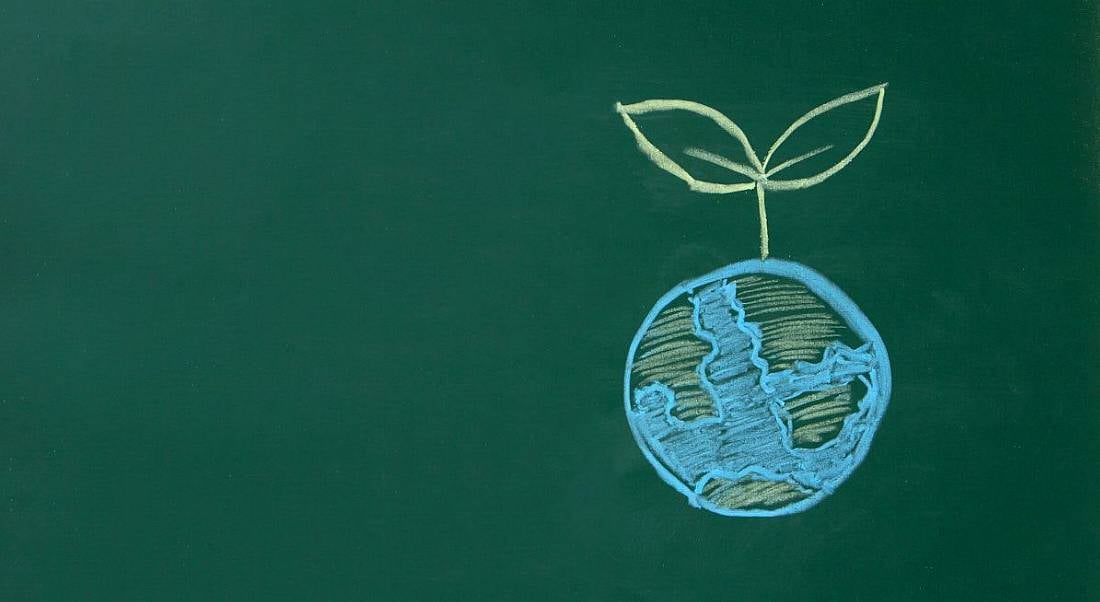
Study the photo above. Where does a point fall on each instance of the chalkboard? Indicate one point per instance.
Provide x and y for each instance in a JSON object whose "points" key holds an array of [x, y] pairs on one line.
{"points": [[333, 300]]}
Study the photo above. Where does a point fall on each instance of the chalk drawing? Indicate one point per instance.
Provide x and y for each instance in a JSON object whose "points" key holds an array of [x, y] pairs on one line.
{"points": [[755, 390], [758, 171]]}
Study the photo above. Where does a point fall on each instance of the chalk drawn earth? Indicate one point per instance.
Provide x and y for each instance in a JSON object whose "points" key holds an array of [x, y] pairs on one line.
{"points": [[756, 390]]}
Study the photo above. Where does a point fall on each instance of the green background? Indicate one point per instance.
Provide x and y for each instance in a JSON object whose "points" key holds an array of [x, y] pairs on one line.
{"points": [[331, 300]]}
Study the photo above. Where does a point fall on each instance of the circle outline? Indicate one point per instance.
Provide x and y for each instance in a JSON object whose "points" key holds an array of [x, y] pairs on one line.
{"points": [[838, 302]]}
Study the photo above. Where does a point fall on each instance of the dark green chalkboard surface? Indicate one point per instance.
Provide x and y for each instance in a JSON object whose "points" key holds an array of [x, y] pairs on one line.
{"points": [[332, 300]]}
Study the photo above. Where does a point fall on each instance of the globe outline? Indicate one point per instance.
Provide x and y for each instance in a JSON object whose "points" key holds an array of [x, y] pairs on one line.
{"points": [[840, 303]]}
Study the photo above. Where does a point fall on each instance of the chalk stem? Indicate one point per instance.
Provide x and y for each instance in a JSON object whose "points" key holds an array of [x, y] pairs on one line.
{"points": [[763, 221]]}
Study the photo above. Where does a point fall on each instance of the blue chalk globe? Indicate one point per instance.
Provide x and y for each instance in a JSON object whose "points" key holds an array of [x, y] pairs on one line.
{"points": [[755, 390]]}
